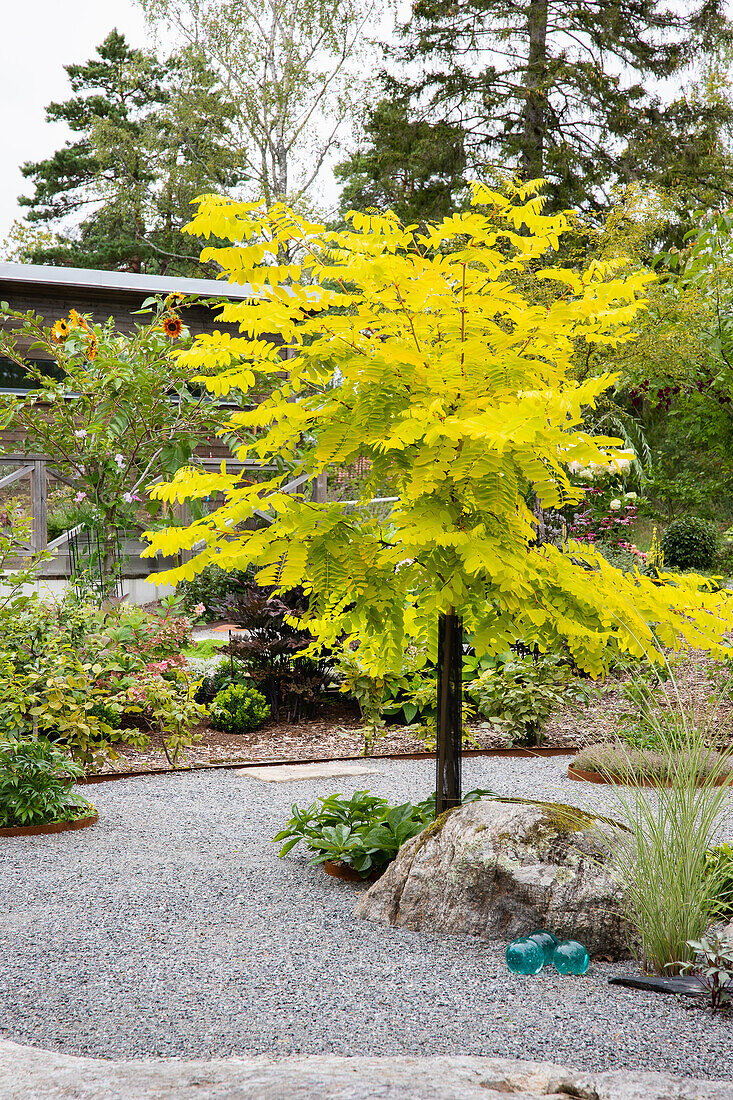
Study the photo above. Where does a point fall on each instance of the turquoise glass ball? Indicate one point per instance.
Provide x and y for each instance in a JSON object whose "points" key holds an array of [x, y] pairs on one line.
{"points": [[571, 958], [524, 956], [547, 942]]}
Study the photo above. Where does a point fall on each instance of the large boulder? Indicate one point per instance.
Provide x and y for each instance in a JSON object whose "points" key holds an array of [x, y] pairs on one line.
{"points": [[501, 868]]}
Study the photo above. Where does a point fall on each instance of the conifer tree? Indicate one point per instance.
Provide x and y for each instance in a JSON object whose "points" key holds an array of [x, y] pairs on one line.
{"points": [[406, 164], [564, 90], [146, 141]]}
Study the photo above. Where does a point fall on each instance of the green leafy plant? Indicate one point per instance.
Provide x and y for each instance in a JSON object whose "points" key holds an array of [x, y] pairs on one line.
{"points": [[212, 585], [713, 968], [170, 708], [206, 647], [36, 780], [370, 692], [225, 672], [363, 831], [72, 672], [520, 695], [239, 708], [690, 543]]}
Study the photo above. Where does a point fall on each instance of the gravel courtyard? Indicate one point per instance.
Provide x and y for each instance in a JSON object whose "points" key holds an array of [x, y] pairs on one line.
{"points": [[171, 928]]}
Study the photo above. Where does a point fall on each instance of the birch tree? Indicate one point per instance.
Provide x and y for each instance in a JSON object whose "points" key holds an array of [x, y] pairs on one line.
{"points": [[292, 68]]}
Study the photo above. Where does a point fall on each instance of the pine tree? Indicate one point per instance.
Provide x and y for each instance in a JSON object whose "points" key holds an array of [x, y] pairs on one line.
{"points": [[147, 140], [406, 164], [561, 89]]}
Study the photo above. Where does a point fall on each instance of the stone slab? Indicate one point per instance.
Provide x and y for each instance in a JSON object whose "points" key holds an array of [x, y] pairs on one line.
{"points": [[27, 1073], [291, 773]]}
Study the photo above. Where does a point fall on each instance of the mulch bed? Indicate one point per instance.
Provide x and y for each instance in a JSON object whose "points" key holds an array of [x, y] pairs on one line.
{"points": [[335, 733]]}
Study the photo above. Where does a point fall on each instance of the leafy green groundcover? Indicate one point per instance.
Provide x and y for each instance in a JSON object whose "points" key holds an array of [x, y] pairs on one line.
{"points": [[363, 831], [36, 780]]}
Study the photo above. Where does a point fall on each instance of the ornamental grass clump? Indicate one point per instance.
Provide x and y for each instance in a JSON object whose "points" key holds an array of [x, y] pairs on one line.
{"points": [[36, 781], [662, 863], [618, 760]]}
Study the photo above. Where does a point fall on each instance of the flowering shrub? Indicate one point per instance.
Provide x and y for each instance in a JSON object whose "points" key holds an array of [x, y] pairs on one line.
{"points": [[118, 410], [605, 520], [71, 672]]}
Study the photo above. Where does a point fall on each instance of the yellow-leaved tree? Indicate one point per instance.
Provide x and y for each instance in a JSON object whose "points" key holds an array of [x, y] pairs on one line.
{"points": [[419, 351]]}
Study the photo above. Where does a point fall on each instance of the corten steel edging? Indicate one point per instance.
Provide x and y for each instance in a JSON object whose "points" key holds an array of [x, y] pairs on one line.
{"points": [[51, 827], [243, 764]]}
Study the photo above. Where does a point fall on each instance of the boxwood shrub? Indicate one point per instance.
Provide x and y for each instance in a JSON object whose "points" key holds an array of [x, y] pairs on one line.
{"points": [[690, 544], [239, 709]]}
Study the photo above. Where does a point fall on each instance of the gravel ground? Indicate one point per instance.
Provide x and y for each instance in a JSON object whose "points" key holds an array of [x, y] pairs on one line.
{"points": [[172, 929]]}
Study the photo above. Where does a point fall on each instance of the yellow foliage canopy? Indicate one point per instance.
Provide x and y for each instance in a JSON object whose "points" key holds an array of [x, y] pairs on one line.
{"points": [[419, 351]]}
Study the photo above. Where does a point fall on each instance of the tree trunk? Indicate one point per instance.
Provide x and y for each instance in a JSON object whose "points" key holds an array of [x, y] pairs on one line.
{"points": [[280, 182], [535, 92], [450, 712]]}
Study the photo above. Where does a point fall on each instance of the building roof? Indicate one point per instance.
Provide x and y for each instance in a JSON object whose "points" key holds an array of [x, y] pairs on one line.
{"points": [[91, 279]]}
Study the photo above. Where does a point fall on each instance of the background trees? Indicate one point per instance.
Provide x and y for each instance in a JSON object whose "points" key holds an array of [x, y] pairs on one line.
{"points": [[148, 137], [291, 70], [570, 92]]}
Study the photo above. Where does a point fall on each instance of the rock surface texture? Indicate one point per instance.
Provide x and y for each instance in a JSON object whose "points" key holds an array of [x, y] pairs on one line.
{"points": [[501, 869], [43, 1075]]}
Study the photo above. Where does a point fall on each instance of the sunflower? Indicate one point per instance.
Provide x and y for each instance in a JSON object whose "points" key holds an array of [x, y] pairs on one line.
{"points": [[60, 330], [92, 349], [77, 321], [173, 300], [172, 326]]}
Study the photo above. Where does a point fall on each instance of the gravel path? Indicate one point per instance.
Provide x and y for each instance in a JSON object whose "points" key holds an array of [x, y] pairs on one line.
{"points": [[171, 928]]}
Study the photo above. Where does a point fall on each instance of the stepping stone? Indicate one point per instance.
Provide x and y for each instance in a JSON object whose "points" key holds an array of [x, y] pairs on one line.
{"points": [[290, 773], [691, 987]]}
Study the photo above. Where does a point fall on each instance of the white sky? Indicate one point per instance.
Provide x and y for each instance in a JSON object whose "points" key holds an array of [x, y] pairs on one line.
{"points": [[37, 38]]}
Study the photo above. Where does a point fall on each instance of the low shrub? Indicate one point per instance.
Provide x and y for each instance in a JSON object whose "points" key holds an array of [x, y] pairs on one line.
{"points": [[239, 708], [271, 648], [36, 780], [71, 672], [690, 544], [520, 694], [363, 831]]}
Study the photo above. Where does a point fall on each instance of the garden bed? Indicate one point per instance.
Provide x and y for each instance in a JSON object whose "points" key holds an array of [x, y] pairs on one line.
{"points": [[333, 735], [619, 763], [335, 731]]}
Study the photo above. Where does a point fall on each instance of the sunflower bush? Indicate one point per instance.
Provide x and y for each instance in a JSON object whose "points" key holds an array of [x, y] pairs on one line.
{"points": [[117, 409]]}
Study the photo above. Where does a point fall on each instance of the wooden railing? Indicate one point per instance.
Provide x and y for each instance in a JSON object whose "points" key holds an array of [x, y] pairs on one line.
{"points": [[40, 469]]}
